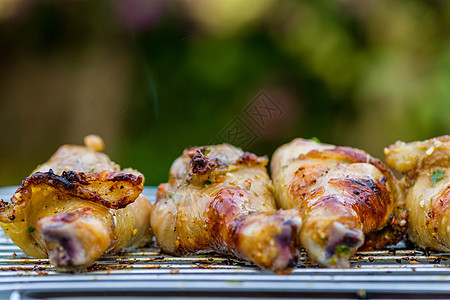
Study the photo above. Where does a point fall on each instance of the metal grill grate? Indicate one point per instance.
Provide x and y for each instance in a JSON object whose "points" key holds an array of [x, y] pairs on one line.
{"points": [[409, 274]]}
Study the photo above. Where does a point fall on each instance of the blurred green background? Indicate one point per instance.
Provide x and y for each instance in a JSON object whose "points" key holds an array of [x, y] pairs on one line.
{"points": [[155, 76]]}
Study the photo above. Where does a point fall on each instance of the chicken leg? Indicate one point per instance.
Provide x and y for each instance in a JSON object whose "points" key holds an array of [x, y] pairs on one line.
{"points": [[76, 207], [347, 199], [220, 198]]}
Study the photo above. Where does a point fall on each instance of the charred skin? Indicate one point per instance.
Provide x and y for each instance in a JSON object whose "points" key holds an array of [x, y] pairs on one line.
{"points": [[224, 203], [75, 216], [427, 198], [347, 199]]}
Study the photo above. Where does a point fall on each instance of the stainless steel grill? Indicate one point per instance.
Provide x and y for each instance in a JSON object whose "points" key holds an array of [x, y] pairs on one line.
{"points": [[146, 273]]}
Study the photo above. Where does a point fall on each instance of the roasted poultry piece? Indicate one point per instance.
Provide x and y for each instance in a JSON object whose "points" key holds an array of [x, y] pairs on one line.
{"points": [[347, 199], [426, 183], [76, 207], [220, 198]]}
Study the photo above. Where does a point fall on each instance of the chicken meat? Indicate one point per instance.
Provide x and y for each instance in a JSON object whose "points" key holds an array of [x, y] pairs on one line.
{"points": [[348, 200], [76, 207], [220, 198], [426, 183]]}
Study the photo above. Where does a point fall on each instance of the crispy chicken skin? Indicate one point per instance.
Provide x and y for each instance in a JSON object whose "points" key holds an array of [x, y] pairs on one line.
{"points": [[426, 183], [76, 207], [345, 196], [220, 198]]}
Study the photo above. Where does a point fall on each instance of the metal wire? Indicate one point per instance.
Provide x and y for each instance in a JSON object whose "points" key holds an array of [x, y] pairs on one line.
{"points": [[147, 272]]}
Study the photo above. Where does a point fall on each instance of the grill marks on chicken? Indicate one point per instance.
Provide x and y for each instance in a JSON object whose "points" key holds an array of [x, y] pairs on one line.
{"points": [[426, 183], [219, 198], [76, 207], [343, 194]]}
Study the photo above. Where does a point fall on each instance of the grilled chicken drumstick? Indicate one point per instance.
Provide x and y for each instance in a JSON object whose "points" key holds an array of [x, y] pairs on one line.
{"points": [[76, 207], [426, 183], [219, 198], [345, 196]]}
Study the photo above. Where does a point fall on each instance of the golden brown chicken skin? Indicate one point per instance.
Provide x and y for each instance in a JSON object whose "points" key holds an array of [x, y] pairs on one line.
{"points": [[426, 183], [219, 198], [76, 207], [346, 198]]}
